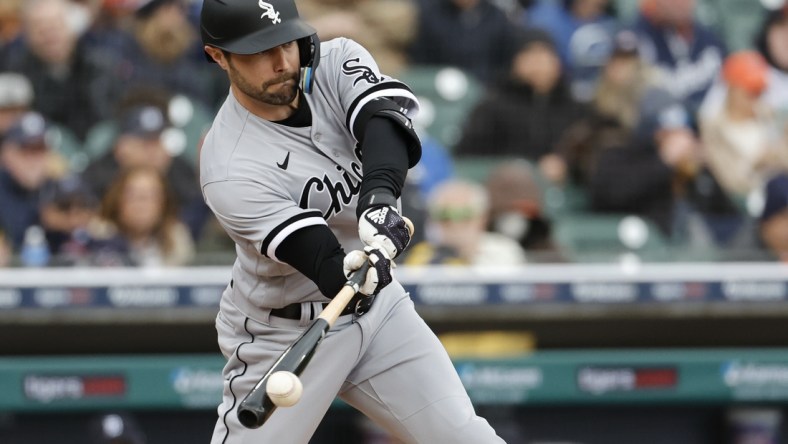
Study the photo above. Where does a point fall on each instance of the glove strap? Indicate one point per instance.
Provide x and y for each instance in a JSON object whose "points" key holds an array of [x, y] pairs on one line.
{"points": [[378, 197]]}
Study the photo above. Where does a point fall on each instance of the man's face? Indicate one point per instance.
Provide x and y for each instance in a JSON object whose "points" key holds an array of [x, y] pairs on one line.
{"points": [[777, 39], [135, 151], [270, 77], [48, 32], [67, 217], [677, 12], [142, 203], [29, 166], [539, 66]]}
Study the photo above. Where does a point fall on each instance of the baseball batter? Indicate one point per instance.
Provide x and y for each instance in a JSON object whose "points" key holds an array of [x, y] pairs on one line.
{"points": [[310, 136]]}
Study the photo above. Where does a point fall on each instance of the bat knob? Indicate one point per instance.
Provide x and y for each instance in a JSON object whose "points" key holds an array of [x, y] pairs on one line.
{"points": [[250, 417]]}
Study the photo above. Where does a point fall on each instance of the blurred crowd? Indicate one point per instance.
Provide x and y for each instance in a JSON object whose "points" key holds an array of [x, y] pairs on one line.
{"points": [[668, 111]]}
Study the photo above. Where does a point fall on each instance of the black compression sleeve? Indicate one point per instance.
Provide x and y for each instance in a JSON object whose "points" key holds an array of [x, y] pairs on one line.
{"points": [[315, 252], [384, 156]]}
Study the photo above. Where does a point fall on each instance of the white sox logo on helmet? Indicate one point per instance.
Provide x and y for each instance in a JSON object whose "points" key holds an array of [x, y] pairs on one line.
{"points": [[269, 11]]}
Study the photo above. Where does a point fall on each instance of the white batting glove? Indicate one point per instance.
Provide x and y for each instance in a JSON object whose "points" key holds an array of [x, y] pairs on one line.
{"points": [[384, 229], [378, 275]]}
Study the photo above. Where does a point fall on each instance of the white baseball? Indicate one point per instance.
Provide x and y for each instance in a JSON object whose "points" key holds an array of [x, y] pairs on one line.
{"points": [[284, 388]]}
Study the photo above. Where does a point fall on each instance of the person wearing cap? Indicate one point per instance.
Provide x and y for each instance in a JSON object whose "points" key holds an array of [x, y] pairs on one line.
{"points": [[659, 174], [457, 230], [281, 168], [518, 211], [583, 31], [72, 88], [772, 43], [742, 142], [140, 142], [159, 50], [16, 98], [686, 53], [526, 112], [612, 116], [74, 233], [26, 167]]}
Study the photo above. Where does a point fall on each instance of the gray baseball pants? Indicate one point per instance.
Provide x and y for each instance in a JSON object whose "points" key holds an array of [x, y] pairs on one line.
{"points": [[387, 364]]}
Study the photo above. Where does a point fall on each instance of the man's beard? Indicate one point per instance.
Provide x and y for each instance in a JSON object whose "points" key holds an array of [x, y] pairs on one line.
{"points": [[282, 96]]}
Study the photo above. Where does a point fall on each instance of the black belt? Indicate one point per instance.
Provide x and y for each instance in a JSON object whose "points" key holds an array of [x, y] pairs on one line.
{"points": [[358, 305]]}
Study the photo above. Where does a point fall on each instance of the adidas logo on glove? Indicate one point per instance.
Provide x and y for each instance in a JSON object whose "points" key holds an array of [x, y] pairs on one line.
{"points": [[378, 216]]}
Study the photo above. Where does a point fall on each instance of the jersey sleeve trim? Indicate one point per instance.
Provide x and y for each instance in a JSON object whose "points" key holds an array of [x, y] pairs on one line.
{"points": [[280, 233], [391, 90]]}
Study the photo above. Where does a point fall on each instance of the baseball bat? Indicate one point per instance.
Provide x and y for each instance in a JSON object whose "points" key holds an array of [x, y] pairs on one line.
{"points": [[257, 407]]}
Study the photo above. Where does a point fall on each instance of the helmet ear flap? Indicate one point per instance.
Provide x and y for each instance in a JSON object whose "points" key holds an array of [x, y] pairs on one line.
{"points": [[309, 49]]}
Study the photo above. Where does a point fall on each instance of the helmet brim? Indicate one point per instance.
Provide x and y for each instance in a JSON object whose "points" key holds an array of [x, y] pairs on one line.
{"points": [[268, 38]]}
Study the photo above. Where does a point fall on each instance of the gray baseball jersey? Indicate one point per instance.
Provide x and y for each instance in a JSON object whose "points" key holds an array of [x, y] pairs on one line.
{"points": [[264, 181]]}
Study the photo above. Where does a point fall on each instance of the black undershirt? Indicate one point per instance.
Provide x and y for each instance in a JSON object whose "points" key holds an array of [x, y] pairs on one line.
{"points": [[302, 116], [314, 251]]}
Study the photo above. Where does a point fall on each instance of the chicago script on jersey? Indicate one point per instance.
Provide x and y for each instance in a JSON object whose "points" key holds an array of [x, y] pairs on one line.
{"points": [[340, 192]]}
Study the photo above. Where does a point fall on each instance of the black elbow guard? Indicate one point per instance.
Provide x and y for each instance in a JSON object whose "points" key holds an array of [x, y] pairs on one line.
{"points": [[389, 109]]}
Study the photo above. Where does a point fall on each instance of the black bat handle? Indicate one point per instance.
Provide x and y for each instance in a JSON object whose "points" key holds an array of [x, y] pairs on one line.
{"points": [[359, 276], [255, 409]]}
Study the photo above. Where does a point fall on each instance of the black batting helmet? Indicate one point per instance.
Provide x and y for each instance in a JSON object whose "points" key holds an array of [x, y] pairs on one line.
{"points": [[249, 27]]}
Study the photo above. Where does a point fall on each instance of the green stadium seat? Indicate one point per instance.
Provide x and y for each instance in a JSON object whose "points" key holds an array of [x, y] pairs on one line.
{"points": [[476, 168], [193, 120], [447, 95], [189, 120], [594, 237], [100, 138], [564, 199], [68, 145]]}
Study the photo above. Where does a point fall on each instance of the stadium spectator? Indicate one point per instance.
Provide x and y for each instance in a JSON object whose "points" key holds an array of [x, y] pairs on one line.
{"points": [[74, 234], [743, 144], [26, 165], [473, 35], [660, 175], [72, 87], [774, 217], [687, 54], [10, 24], [456, 232], [772, 43], [110, 27], [140, 142], [159, 52], [16, 97], [140, 204], [583, 31], [612, 116], [384, 27], [526, 114], [517, 211]]}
